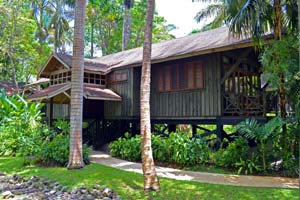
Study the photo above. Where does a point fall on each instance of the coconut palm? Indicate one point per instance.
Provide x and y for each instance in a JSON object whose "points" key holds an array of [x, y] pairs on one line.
{"points": [[222, 11], [60, 21], [75, 158], [41, 12], [256, 18], [150, 176]]}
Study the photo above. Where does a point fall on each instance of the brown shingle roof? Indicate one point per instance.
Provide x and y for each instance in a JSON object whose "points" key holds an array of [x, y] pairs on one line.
{"points": [[214, 40], [89, 92], [94, 92], [50, 91], [89, 64], [9, 87]]}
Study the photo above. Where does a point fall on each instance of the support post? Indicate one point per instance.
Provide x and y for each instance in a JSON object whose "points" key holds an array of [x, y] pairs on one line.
{"points": [[51, 112], [219, 132], [171, 128], [194, 130]]}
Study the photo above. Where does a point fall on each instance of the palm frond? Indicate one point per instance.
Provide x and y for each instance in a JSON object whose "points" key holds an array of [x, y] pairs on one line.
{"points": [[248, 128], [270, 127], [209, 11]]}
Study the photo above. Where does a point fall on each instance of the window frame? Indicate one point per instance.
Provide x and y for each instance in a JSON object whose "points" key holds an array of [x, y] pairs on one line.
{"points": [[163, 71], [113, 77]]}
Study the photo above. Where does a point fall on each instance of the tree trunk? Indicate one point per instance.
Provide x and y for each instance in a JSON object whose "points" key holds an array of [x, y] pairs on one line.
{"points": [[126, 24], [282, 90], [150, 177], [76, 158], [92, 33]]}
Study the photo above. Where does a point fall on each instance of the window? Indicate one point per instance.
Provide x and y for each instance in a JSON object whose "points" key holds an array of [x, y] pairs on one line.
{"points": [[91, 78], [118, 76], [60, 77], [183, 76]]}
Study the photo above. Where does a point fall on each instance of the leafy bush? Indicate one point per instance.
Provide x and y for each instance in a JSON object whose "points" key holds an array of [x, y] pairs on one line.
{"points": [[56, 151], [21, 129], [235, 151], [248, 166], [177, 148], [128, 148]]}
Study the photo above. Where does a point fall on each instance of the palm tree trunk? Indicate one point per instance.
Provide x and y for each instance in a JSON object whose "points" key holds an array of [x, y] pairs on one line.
{"points": [[150, 177], [76, 158], [282, 91], [126, 24]]}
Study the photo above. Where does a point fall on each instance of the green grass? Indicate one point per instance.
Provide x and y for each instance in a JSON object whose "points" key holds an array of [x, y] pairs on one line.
{"points": [[130, 185]]}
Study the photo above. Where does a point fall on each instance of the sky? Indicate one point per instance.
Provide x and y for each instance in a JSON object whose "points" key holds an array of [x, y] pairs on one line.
{"points": [[181, 13]]}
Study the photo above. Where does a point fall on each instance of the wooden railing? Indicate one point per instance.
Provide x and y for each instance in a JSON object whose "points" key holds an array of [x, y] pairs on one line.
{"points": [[244, 105]]}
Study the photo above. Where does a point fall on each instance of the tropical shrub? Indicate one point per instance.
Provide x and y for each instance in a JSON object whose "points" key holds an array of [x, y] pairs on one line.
{"points": [[21, 129], [260, 133], [248, 165], [178, 148], [128, 148], [56, 151], [232, 154]]}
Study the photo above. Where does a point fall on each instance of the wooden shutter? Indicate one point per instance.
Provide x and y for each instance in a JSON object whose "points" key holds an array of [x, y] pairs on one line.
{"points": [[182, 77], [199, 75], [167, 78], [161, 79], [190, 75]]}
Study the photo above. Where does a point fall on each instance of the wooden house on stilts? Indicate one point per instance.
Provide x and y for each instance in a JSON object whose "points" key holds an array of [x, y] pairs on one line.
{"points": [[205, 78]]}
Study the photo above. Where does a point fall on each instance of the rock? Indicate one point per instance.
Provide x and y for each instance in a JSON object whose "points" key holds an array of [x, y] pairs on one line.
{"points": [[106, 198], [17, 177], [107, 192], [63, 189], [7, 195], [89, 197], [83, 191], [97, 187], [2, 174], [52, 192], [11, 181]]}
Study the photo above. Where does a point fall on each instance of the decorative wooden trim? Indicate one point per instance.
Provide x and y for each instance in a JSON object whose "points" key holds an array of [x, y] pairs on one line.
{"points": [[236, 64]]}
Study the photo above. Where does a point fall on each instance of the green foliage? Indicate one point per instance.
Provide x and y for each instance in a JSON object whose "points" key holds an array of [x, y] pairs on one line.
{"points": [[56, 151], [281, 57], [20, 53], [21, 130], [248, 166], [260, 133], [128, 148], [63, 126], [177, 148], [106, 19], [234, 153]]}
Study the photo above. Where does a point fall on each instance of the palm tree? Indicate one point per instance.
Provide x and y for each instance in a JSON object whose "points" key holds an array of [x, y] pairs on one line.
{"points": [[150, 176], [261, 133], [258, 17], [222, 11], [76, 158], [41, 12], [128, 4], [59, 21]]}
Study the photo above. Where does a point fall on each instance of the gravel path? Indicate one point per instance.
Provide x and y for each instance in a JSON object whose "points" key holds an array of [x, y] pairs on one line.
{"points": [[236, 180]]}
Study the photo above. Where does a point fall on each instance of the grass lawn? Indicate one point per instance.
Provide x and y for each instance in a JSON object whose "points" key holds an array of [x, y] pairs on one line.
{"points": [[130, 185]]}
